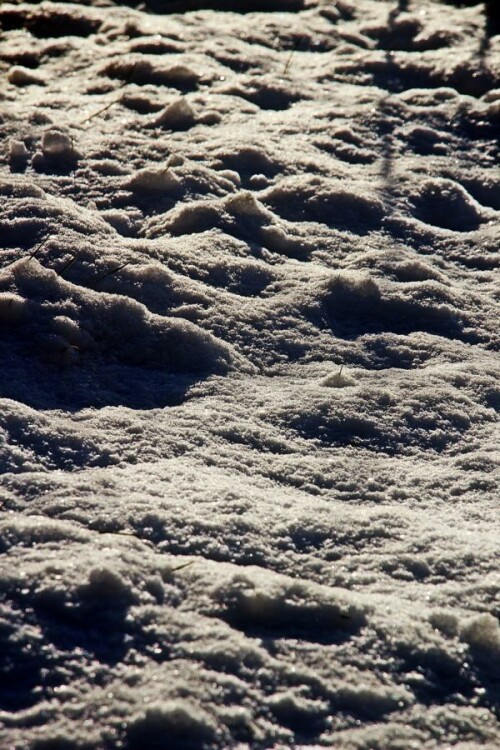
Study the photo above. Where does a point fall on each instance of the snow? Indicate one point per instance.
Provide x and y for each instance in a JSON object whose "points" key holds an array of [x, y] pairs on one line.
{"points": [[249, 393]]}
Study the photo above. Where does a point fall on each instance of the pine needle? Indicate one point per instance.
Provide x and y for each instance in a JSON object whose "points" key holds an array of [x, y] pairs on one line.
{"points": [[181, 567], [39, 247], [290, 56], [115, 101], [67, 265], [33, 254], [108, 273], [100, 111]]}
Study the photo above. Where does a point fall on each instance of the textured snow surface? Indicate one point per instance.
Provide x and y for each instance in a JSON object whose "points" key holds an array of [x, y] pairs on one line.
{"points": [[249, 334]]}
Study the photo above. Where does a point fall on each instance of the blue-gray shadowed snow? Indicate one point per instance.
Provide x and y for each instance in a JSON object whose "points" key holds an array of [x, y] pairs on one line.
{"points": [[249, 334]]}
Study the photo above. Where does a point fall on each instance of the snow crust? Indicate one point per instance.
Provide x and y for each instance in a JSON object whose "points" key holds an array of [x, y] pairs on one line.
{"points": [[249, 334]]}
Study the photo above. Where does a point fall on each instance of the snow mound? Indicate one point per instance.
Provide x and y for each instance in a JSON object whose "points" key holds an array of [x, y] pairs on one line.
{"points": [[269, 604]]}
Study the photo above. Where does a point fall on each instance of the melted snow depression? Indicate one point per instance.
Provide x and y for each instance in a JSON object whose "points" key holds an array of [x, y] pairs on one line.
{"points": [[249, 335]]}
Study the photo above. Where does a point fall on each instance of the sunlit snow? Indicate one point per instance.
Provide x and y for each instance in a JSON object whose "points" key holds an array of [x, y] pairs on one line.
{"points": [[249, 334]]}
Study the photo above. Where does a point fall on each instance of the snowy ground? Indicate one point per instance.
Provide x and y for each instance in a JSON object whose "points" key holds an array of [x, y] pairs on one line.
{"points": [[249, 333]]}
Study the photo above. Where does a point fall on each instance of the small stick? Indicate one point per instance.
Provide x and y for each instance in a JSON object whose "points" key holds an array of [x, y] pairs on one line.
{"points": [[109, 273]]}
